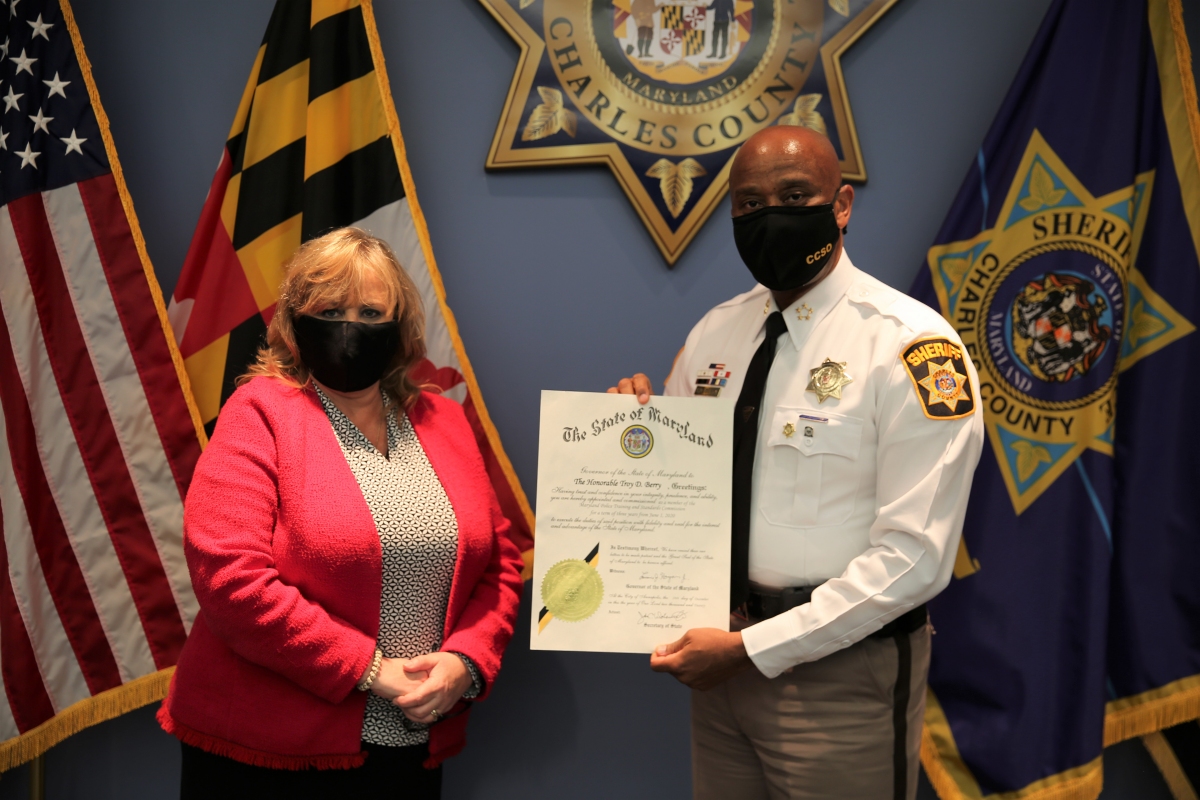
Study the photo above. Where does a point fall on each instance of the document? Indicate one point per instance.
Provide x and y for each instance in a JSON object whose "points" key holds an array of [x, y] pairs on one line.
{"points": [[633, 520]]}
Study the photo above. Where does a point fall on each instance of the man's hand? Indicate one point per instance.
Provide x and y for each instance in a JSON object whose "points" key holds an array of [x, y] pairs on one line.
{"points": [[703, 658], [639, 384], [447, 681]]}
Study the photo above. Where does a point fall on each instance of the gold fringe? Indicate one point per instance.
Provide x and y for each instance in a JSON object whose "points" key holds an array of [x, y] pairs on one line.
{"points": [[84, 714], [1152, 711], [952, 779], [1168, 764], [939, 755], [1178, 702], [1180, 111], [1140, 715], [410, 192], [127, 203]]}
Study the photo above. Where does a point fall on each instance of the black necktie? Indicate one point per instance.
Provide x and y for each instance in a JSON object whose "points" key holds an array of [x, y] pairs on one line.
{"points": [[745, 439]]}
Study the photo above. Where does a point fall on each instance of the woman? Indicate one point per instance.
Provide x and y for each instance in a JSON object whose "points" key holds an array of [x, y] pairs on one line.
{"points": [[356, 582]]}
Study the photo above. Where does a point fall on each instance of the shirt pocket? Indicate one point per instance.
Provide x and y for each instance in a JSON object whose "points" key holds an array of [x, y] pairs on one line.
{"points": [[811, 476]]}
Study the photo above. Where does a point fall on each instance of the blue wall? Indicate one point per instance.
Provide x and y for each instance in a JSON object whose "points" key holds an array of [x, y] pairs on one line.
{"points": [[555, 285]]}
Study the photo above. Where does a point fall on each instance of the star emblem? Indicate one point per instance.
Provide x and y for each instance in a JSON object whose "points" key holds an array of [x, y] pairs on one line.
{"points": [[789, 430], [12, 8], [804, 312], [945, 385], [828, 379], [1022, 381], [56, 86], [28, 157], [10, 100], [74, 143], [39, 121], [3, 140], [40, 28], [23, 63], [667, 113]]}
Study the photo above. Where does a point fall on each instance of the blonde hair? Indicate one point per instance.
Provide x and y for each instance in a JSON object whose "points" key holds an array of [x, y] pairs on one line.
{"points": [[328, 272]]}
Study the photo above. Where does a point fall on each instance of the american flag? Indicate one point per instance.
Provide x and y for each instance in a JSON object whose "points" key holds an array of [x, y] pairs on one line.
{"points": [[97, 437]]}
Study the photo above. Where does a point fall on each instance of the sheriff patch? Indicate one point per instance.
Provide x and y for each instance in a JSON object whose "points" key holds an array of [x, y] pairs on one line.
{"points": [[938, 371]]}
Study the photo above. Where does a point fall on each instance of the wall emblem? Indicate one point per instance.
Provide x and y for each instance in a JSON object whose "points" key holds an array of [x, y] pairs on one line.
{"points": [[1051, 308], [665, 92]]}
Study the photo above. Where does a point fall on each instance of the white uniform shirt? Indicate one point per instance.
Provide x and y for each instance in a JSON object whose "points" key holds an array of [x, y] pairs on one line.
{"points": [[863, 495]]}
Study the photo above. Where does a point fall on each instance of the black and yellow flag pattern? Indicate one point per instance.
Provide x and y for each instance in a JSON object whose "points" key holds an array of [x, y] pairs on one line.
{"points": [[315, 145]]}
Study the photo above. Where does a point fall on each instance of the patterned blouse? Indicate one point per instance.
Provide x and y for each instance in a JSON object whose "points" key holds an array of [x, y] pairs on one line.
{"points": [[419, 536]]}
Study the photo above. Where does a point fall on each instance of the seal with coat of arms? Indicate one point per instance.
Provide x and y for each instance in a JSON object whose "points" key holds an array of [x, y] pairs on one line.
{"points": [[664, 91], [1051, 309]]}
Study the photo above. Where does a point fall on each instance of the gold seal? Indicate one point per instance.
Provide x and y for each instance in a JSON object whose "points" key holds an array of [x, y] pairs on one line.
{"points": [[572, 590]]}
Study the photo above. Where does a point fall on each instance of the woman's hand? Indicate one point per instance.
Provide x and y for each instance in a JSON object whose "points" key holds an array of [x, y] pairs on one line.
{"points": [[447, 680], [394, 681]]}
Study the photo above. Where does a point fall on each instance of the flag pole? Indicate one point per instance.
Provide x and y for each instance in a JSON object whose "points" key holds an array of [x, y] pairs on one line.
{"points": [[37, 778]]}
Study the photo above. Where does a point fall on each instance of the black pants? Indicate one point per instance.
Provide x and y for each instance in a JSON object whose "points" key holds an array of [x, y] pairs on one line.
{"points": [[388, 772]]}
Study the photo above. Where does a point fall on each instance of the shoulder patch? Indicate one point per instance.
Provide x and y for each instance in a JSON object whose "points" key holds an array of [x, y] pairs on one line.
{"points": [[938, 370]]}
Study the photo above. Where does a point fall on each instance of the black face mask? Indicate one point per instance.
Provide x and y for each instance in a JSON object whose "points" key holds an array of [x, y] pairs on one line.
{"points": [[786, 246], [346, 356]]}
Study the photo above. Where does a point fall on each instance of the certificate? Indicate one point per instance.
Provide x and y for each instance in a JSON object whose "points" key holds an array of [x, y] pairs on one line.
{"points": [[633, 521]]}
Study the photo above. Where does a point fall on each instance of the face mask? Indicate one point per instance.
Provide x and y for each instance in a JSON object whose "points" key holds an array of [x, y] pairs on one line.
{"points": [[346, 356], [786, 246]]}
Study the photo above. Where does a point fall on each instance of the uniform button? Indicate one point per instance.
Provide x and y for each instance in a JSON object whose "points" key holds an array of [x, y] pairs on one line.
{"points": [[808, 440], [845, 642]]}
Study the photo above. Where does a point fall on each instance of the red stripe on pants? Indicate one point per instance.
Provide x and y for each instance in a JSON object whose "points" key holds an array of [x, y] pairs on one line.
{"points": [[94, 432], [68, 588]]}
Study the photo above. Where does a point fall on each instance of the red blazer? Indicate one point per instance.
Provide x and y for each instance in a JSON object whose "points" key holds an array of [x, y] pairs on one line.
{"points": [[286, 563]]}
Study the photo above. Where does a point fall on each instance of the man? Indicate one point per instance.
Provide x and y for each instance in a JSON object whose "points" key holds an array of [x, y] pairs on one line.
{"points": [[643, 12], [856, 434], [722, 16]]}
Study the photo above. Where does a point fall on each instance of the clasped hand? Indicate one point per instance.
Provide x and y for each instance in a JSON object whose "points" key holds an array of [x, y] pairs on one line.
{"points": [[419, 686]]}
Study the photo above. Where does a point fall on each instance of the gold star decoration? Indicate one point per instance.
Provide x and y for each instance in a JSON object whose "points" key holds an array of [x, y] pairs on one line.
{"points": [[828, 379], [582, 94], [804, 312], [789, 430], [945, 385]]}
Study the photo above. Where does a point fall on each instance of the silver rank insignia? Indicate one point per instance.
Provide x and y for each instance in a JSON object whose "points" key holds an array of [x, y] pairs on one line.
{"points": [[828, 379]]}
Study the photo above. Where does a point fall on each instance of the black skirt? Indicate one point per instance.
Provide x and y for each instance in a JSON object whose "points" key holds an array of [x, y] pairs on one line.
{"points": [[388, 772]]}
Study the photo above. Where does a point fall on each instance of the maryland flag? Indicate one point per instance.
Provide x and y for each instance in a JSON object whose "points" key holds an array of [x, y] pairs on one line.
{"points": [[315, 145], [1070, 266], [683, 27]]}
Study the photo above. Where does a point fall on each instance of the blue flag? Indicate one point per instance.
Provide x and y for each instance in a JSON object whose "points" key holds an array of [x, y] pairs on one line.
{"points": [[1069, 266]]}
